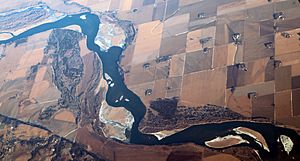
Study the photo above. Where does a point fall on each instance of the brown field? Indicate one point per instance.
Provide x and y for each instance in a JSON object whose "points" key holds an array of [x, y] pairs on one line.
{"points": [[26, 132], [198, 61], [291, 122], [283, 78], [125, 5], [289, 59], [65, 115], [19, 73], [204, 87], [40, 74], [261, 89], [31, 58], [295, 69], [255, 73], [38, 89], [221, 56], [223, 157], [283, 105], [140, 91], [162, 70], [11, 61], [31, 112], [123, 152], [142, 15], [254, 50], [193, 43], [159, 90], [61, 128], [147, 42], [239, 104], [173, 45], [287, 45], [100, 5], [138, 74], [51, 95], [176, 25], [177, 65], [224, 55], [231, 7], [232, 51], [263, 106], [240, 5], [174, 85], [187, 2]]}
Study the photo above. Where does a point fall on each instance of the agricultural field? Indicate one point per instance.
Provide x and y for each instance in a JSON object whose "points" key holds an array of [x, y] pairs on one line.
{"points": [[157, 80]]}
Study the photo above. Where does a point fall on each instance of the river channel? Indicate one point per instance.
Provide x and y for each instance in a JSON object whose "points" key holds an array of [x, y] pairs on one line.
{"points": [[197, 134]]}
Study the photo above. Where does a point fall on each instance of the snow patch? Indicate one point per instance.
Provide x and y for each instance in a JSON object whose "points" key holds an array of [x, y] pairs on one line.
{"points": [[107, 77], [83, 17], [111, 84]]}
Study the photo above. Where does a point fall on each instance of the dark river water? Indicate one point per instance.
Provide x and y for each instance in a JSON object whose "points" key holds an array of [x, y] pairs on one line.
{"points": [[197, 134]]}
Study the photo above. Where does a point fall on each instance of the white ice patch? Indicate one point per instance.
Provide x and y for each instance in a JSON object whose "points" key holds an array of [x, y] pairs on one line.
{"points": [[83, 17], [287, 143], [109, 80], [111, 84], [107, 77]]}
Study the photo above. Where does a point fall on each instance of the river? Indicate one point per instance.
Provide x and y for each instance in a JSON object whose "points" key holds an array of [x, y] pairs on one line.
{"points": [[197, 134]]}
